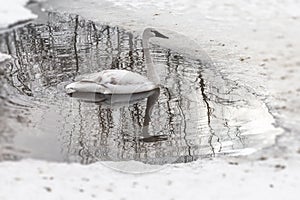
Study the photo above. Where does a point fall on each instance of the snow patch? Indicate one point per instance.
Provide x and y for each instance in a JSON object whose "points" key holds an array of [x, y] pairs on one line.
{"points": [[13, 11], [217, 179]]}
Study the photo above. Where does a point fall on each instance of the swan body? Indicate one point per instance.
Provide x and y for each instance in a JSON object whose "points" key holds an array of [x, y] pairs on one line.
{"points": [[112, 82], [116, 81]]}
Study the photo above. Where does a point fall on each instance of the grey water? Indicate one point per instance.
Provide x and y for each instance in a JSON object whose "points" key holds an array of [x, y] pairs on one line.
{"points": [[198, 112]]}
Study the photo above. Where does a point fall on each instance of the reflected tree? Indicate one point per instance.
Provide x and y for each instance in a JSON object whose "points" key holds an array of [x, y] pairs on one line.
{"points": [[50, 55]]}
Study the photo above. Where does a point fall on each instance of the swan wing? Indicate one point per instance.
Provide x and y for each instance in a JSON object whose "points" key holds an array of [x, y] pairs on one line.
{"points": [[112, 82], [124, 82]]}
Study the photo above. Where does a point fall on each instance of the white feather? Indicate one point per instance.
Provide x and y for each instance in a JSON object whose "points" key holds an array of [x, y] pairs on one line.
{"points": [[112, 82]]}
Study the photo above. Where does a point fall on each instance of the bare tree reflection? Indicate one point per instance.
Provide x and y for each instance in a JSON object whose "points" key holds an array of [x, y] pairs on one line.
{"points": [[50, 55]]}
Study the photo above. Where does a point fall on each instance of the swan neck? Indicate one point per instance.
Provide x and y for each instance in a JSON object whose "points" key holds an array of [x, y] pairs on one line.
{"points": [[151, 73]]}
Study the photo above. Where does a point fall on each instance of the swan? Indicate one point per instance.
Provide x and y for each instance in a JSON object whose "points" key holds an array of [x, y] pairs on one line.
{"points": [[115, 81]]}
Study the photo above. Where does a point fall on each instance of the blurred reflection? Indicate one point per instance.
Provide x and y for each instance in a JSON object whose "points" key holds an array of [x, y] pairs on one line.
{"points": [[181, 122]]}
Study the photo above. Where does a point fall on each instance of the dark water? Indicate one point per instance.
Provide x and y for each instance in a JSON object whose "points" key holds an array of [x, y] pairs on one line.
{"points": [[199, 112]]}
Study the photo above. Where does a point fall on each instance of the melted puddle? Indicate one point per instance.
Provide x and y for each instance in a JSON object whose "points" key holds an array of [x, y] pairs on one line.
{"points": [[198, 112]]}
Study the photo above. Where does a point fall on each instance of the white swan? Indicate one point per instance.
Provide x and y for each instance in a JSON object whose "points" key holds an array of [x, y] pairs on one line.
{"points": [[121, 81]]}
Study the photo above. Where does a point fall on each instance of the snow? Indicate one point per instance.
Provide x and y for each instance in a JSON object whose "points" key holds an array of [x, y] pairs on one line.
{"points": [[13, 11], [261, 34], [205, 179]]}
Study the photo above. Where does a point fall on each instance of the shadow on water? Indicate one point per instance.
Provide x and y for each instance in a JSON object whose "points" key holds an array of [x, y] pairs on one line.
{"points": [[195, 110]]}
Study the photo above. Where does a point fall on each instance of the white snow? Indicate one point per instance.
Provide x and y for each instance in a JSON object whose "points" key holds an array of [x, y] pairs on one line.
{"points": [[13, 11], [205, 179], [261, 34]]}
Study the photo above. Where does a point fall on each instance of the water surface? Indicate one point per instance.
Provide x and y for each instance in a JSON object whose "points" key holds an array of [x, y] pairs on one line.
{"points": [[198, 111]]}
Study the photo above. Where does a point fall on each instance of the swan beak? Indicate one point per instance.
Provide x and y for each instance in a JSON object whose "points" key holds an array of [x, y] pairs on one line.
{"points": [[158, 34]]}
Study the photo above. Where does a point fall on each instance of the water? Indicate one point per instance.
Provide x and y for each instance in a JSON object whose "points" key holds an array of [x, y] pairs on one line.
{"points": [[198, 112]]}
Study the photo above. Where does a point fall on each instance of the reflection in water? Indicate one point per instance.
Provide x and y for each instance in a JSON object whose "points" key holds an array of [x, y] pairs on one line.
{"points": [[190, 115]]}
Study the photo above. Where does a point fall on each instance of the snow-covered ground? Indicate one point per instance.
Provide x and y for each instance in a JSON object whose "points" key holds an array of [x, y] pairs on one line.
{"points": [[215, 179], [14, 11], [263, 35]]}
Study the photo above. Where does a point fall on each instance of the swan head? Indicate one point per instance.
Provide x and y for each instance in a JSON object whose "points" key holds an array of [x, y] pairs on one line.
{"points": [[151, 32]]}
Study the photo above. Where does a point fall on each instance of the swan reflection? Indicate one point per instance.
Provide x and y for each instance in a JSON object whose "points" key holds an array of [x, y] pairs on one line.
{"points": [[125, 100]]}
